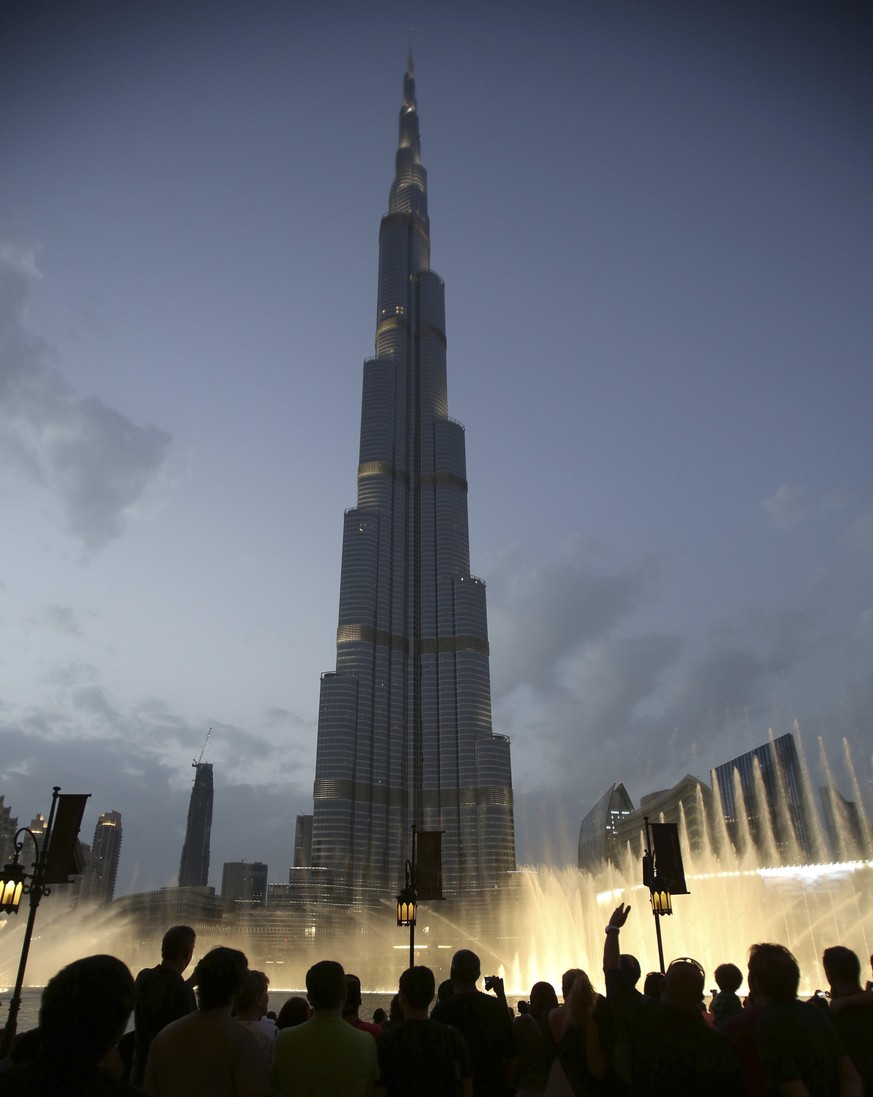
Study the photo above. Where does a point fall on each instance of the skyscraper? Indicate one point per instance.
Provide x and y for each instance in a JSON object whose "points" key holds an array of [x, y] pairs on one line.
{"points": [[99, 879], [765, 787], [404, 726], [194, 866]]}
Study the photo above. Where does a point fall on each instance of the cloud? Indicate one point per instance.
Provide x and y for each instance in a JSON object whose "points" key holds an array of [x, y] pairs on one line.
{"points": [[787, 507], [93, 459], [792, 505], [545, 612], [589, 696], [143, 769], [62, 619]]}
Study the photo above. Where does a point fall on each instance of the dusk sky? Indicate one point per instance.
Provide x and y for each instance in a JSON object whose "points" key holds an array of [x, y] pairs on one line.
{"points": [[654, 225]]}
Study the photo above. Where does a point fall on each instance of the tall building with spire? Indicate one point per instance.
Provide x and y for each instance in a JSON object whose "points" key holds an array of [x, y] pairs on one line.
{"points": [[194, 866], [404, 727]]}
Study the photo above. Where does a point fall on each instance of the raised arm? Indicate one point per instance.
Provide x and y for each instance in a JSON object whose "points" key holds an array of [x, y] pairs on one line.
{"points": [[611, 949]]}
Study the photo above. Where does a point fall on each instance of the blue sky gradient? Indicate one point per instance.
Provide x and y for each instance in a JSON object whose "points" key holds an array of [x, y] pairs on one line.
{"points": [[654, 225]]}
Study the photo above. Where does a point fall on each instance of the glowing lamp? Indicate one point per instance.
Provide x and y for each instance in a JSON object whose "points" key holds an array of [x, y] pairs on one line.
{"points": [[11, 887], [406, 907], [662, 900]]}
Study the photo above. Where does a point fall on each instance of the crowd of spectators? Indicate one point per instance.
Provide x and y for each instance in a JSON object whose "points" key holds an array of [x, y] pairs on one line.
{"points": [[455, 1041]]}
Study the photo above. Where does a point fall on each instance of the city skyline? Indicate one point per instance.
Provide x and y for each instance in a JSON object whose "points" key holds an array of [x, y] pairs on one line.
{"points": [[654, 232], [404, 723]]}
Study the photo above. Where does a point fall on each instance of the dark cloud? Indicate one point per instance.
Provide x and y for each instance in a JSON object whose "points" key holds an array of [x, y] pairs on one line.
{"points": [[602, 700], [144, 771], [92, 458], [542, 613], [282, 717]]}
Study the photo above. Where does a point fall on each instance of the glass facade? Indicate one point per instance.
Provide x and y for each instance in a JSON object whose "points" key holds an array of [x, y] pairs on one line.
{"points": [[404, 728]]}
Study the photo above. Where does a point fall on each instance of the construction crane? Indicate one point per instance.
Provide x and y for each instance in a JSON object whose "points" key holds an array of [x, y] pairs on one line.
{"points": [[197, 761]]}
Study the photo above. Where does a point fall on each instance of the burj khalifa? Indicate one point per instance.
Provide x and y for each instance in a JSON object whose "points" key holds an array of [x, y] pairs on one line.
{"points": [[404, 727]]}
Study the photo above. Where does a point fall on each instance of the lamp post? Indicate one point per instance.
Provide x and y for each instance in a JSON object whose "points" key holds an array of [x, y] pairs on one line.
{"points": [[659, 892], [407, 901], [14, 883]]}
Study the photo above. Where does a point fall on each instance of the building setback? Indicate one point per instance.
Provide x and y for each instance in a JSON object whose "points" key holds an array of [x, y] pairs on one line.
{"points": [[404, 727]]}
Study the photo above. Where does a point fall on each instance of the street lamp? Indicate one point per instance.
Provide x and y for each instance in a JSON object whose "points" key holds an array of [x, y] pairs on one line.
{"points": [[12, 881], [53, 862], [407, 902], [662, 900], [671, 879]]}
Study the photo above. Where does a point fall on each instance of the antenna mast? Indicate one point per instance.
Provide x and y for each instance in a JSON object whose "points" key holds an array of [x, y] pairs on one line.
{"points": [[197, 761]]}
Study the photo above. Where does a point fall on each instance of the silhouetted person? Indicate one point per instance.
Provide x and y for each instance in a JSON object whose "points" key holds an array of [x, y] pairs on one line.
{"points": [[653, 985], [800, 1049], [162, 995], [728, 979], [536, 1049], [421, 1057], [352, 1007], [207, 1053], [485, 1024], [851, 1009], [580, 1060], [325, 1057], [294, 1012], [249, 1009], [84, 1012], [672, 1049]]}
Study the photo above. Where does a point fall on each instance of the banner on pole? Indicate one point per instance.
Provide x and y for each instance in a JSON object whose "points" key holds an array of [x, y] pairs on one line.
{"points": [[64, 858], [429, 864], [668, 857]]}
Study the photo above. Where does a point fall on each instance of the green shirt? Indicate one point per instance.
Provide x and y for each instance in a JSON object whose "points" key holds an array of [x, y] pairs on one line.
{"points": [[324, 1057]]}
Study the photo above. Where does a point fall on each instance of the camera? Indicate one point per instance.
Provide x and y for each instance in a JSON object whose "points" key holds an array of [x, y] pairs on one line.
{"points": [[491, 981]]}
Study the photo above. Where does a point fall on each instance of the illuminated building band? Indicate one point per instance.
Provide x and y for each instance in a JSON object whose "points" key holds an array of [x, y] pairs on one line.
{"points": [[367, 469], [425, 645], [390, 323], [471, 796]]}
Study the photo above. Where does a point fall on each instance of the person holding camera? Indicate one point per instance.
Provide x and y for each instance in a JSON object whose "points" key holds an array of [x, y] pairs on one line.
{"points": [[484, 1022]]}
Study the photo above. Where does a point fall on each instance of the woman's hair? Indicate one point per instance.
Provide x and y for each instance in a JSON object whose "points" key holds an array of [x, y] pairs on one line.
{"points": [[582, 998], [542, 999], [294, 1012]]}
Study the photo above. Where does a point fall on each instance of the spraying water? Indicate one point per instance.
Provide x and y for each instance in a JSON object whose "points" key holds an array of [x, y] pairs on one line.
{"points": [[743, 889]]}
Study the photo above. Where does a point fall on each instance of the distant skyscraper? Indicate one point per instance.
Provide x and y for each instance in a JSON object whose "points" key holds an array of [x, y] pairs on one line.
{"points": [[194, 867], [245, 882], [100, 875], [8, 827], [404, 727]]}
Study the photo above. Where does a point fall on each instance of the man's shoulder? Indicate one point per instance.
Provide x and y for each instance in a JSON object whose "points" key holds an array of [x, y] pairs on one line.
{"points": [[147, 974], [429, 1029], [325, 1028], [151, 977]]}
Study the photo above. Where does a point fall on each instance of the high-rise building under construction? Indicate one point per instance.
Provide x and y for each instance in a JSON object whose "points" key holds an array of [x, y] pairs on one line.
{"points": [[404, 728], [194, 866]]}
